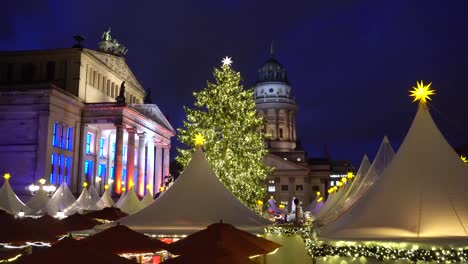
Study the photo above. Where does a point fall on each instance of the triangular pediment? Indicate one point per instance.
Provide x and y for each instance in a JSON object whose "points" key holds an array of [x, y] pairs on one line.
{"points": [[281, 164], [118, 65], [153, 112]]}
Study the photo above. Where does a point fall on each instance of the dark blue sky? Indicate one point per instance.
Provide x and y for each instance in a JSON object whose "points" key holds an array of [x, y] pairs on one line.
{"points": [[351, 63]]}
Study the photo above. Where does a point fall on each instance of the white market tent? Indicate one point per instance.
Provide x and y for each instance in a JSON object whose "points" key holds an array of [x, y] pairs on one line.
{"points": [[106, 199], [421, 195], [84, 203], [95, 197], [38, 202], [196, 200], [147, 199], [60, 201], [130, 203], [9, 202]]}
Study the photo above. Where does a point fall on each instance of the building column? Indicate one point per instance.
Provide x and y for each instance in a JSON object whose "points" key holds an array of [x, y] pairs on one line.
{"points": [[79, 182], [141, 163], [167, 148], [131, 157], [150, 165], [118, 158], [159, 167]]}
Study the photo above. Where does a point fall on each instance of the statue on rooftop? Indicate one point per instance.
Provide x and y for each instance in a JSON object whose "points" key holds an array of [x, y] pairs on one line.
{"points": [[121, 98], [110, 45]]}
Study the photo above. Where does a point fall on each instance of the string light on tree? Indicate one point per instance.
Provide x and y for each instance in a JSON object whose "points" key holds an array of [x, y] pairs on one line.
{"points": [[224, 114], [422, 92]]}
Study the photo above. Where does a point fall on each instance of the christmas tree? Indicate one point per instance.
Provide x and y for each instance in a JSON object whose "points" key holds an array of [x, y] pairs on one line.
{"points": [[224, 114]]}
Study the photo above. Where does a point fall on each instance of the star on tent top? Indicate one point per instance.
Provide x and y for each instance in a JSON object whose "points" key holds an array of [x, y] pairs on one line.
{"points": [[227, 61]]}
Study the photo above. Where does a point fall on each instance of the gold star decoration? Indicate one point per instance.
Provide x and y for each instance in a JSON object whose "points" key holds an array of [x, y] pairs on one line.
{"points": [[42, 181], [85, 184], [198, 140], [464, 159], [350, 175], [106, 187], [422, 92], [6, 176], [227, 61]]}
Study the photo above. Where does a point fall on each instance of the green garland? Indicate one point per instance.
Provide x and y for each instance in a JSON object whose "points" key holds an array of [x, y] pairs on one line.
{"points": [[316, 250]]}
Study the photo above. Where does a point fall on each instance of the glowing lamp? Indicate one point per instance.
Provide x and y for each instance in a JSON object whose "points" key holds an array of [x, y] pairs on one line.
{"points": [[21, 213], [281, 206], [42, 181], [198, 140], [320, 199], [85, 184], [60, 214], [106, 186], [421, 92], [6, 176], [317, 193], [98, 179], [33, 188], [260, 202]]}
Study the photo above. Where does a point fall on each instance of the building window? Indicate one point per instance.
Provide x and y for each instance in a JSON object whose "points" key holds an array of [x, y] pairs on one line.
{"points": [[68, 144], [113, 151], [299, 188], [284, 188], [88, 168], [27, 72], [52, 168], [101, 147], [59, 165], [102, 170], [61, 136], [50, 71], [271, 188], [315, 188], [332, 183], [89, 139], [67, 169], [280, 133], [124, 176], [54, 135], [124, 154]]}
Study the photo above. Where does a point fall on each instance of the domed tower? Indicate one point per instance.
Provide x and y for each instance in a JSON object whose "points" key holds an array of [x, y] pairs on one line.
{"points": [[274, 100]]}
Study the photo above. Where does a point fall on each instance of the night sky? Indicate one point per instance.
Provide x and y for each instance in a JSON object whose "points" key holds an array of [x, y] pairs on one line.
{"points": [[351, 63]]}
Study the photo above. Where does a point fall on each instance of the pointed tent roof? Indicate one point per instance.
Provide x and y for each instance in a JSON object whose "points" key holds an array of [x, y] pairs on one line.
{"points": [[9, 202], [421, 194], [95, 196], [130, 202], [38, 202], [84, 202], [195, 200], [147, 199], [106, 199], [61, 200]]}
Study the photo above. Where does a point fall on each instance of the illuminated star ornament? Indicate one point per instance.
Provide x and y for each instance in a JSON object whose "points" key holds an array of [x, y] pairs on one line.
{"points": [[198, 140], [227, 61], [464, 159], [422, 92], [6, 176]]}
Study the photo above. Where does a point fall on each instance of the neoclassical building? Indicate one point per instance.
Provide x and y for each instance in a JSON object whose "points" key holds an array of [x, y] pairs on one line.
{"points": [[75, 115], [296, 175]]}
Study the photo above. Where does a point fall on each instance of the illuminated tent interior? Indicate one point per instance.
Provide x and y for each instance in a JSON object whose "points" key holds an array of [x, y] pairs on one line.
{"points": [[61, 200], [106, 198], [9, 202], [196, 200], [130, 202], [38, 202], [147, 199], [420, 195]]}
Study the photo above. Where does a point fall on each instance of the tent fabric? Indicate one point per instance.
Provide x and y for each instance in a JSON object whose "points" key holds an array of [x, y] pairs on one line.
{"points": [[95, 197], [146, 200], [107, 213], [61, 200], [130, 203], [9, 202], [38, 202], [195, 200], [106, 199], [84, 202], [420, 195]]}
